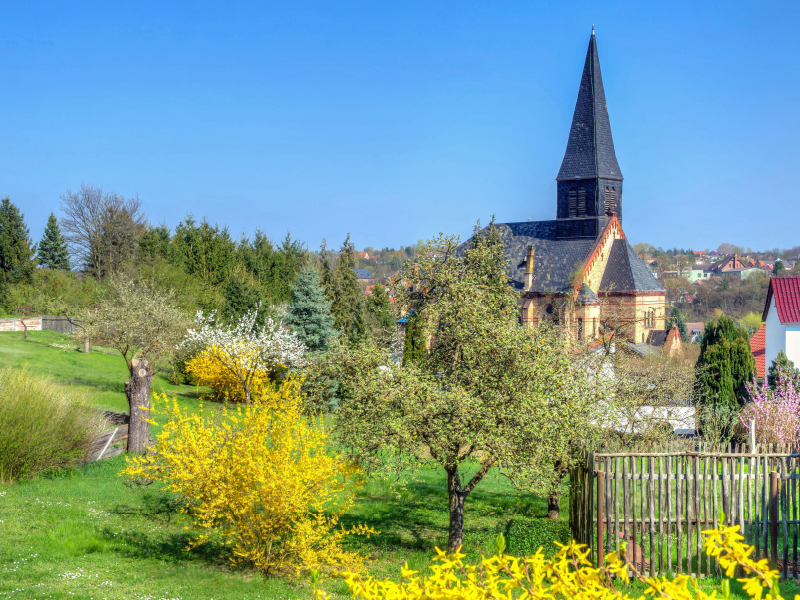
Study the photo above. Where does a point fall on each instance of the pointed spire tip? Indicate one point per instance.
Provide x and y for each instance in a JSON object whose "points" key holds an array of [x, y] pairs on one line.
{"points": [[592, 29]]}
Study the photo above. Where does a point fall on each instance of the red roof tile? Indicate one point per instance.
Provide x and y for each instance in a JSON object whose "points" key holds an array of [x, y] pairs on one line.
{"points": [[786, 291], [757, 347]]}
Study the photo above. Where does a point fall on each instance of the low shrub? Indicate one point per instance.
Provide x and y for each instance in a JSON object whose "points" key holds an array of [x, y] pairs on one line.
{"points": [[258, 479], [569, 574], [42, 426], [524, 536]]}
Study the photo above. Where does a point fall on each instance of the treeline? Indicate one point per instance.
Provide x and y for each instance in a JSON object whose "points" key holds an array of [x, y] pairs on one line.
{"points": [[102, 233]]}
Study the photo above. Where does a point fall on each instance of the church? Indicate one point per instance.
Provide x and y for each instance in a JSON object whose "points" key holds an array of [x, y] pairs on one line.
{"points": [[580, 269]]}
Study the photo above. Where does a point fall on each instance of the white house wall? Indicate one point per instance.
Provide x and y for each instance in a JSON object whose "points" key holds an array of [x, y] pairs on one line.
{"points": [[774, 335], [793, 342]]}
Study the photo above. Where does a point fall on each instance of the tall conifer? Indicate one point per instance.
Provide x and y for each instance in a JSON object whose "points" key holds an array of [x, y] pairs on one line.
{"points": [[726, 363], [16, 251], [52, 252], [310, 312], [346, 295]]}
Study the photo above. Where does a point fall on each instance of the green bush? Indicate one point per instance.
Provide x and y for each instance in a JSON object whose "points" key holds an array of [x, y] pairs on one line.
{"points": [[524, 536], [42, 426]]}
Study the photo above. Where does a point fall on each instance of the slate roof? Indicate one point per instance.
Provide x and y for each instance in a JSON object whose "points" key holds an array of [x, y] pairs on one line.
{"points": [[626, 272], [363, 274], [758, 348], [590, 148], [786, 291], [556, 259]]}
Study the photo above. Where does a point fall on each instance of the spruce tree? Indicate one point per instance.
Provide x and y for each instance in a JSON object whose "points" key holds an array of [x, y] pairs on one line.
{"points": [[16, 251], [676, 318], [781, 363], [52, 252], [347, 298], [725, 363], [380, 306], [310, 312]]}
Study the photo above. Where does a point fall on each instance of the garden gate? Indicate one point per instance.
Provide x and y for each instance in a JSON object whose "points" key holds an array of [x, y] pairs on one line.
{"points": [[660, 499]]}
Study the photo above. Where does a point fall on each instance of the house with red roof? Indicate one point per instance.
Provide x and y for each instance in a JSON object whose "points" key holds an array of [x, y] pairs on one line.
{"points": [[757, 348], [782, 319]]}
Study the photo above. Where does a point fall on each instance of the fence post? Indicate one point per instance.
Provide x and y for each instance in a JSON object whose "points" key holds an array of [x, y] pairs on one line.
{"points": [[773, 517], [600, 494]]}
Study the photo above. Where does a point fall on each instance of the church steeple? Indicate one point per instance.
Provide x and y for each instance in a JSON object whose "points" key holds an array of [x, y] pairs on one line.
{"points": [[590, 180]]}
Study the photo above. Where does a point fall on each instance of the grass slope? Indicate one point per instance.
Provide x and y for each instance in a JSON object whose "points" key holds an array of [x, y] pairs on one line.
{"points": [[83, 535]]}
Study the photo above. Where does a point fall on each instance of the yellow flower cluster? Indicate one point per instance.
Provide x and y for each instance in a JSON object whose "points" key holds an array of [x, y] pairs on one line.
{"points": [[568, 575], [216, 369], [259, 479]]}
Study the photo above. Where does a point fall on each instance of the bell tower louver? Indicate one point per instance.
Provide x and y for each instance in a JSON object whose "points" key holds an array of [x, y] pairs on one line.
{"points": [[589, 183]]}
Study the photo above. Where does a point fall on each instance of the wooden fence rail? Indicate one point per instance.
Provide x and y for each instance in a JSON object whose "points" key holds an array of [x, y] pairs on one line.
{"points": [[660, 500]]}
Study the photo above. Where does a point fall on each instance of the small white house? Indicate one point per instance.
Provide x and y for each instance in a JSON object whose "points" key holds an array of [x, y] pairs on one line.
{"points": [[782, 319]]}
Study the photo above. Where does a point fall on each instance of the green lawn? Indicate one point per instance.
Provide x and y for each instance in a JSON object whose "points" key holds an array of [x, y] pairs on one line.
{"points": [[84, 535]]}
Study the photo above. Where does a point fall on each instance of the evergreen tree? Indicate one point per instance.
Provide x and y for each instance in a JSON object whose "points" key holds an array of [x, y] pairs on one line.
{"points": [[414, 345], [781, 363], [16, 251], [241, 296], [380, 307], [676, 318], [347, 298], [52, 251], [725, 363], [310, 312], [778, 269]]}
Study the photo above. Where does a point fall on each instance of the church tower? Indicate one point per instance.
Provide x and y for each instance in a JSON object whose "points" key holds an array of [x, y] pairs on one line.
{"points": [[589, 183]]}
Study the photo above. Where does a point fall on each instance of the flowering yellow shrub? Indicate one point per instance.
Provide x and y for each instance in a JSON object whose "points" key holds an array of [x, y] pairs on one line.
{"points": [[568, 575], [257, 478], [212, 368]]}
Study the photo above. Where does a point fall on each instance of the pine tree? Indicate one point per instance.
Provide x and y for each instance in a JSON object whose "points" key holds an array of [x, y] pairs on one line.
{"points": [[725, 363], [676, 318], [347, 298], [52, 252], [16, 251], [310, 312], [781, 363], [778, 269]]}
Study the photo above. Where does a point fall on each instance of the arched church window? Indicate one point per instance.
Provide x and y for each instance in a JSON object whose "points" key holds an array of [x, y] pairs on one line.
{"points": [[582, 202], [573, 203]]}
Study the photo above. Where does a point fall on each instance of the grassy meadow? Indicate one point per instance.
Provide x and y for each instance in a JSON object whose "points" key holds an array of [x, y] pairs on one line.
{"points": [[82, 534]]}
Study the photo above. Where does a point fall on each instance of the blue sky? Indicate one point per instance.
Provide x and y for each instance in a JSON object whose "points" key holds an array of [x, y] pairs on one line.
{"points": [[394, 121]]}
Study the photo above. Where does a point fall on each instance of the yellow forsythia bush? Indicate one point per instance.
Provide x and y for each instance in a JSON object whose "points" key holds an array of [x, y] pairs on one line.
{"points": [[568, 575], [258, 479], [210, 371]]}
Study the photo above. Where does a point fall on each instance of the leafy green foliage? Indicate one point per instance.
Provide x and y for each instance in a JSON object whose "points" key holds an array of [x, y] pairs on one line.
{"points": [[525, 535], [725, 363], [778, 269], [310, 312], [16, 253], [379, 306], [52, 251]]}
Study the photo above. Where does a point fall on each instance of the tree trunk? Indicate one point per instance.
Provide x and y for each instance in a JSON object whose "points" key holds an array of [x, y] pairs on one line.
{"points": [[553, 505], [86, 346], [456, 496], [137, 389]]}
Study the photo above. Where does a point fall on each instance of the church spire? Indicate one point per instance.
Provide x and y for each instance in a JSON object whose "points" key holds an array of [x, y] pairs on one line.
{"points": [[590, 149]]}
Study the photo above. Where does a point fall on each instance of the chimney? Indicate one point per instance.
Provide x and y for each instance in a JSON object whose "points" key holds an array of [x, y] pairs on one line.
{"points": [[529, 268]]}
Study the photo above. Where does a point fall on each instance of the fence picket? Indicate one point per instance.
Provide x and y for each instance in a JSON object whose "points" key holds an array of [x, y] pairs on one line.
{"points": [[679, 510]]}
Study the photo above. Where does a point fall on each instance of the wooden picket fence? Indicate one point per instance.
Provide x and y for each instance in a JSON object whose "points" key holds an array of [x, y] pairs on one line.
{"points": [[661, 498]]}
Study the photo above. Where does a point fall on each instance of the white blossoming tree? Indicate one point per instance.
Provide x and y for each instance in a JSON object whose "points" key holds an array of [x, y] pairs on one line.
{"points": [[244, 349]]}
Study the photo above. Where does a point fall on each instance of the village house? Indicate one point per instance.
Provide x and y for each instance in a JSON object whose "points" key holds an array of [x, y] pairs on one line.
{"points": [[781, 319]]}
